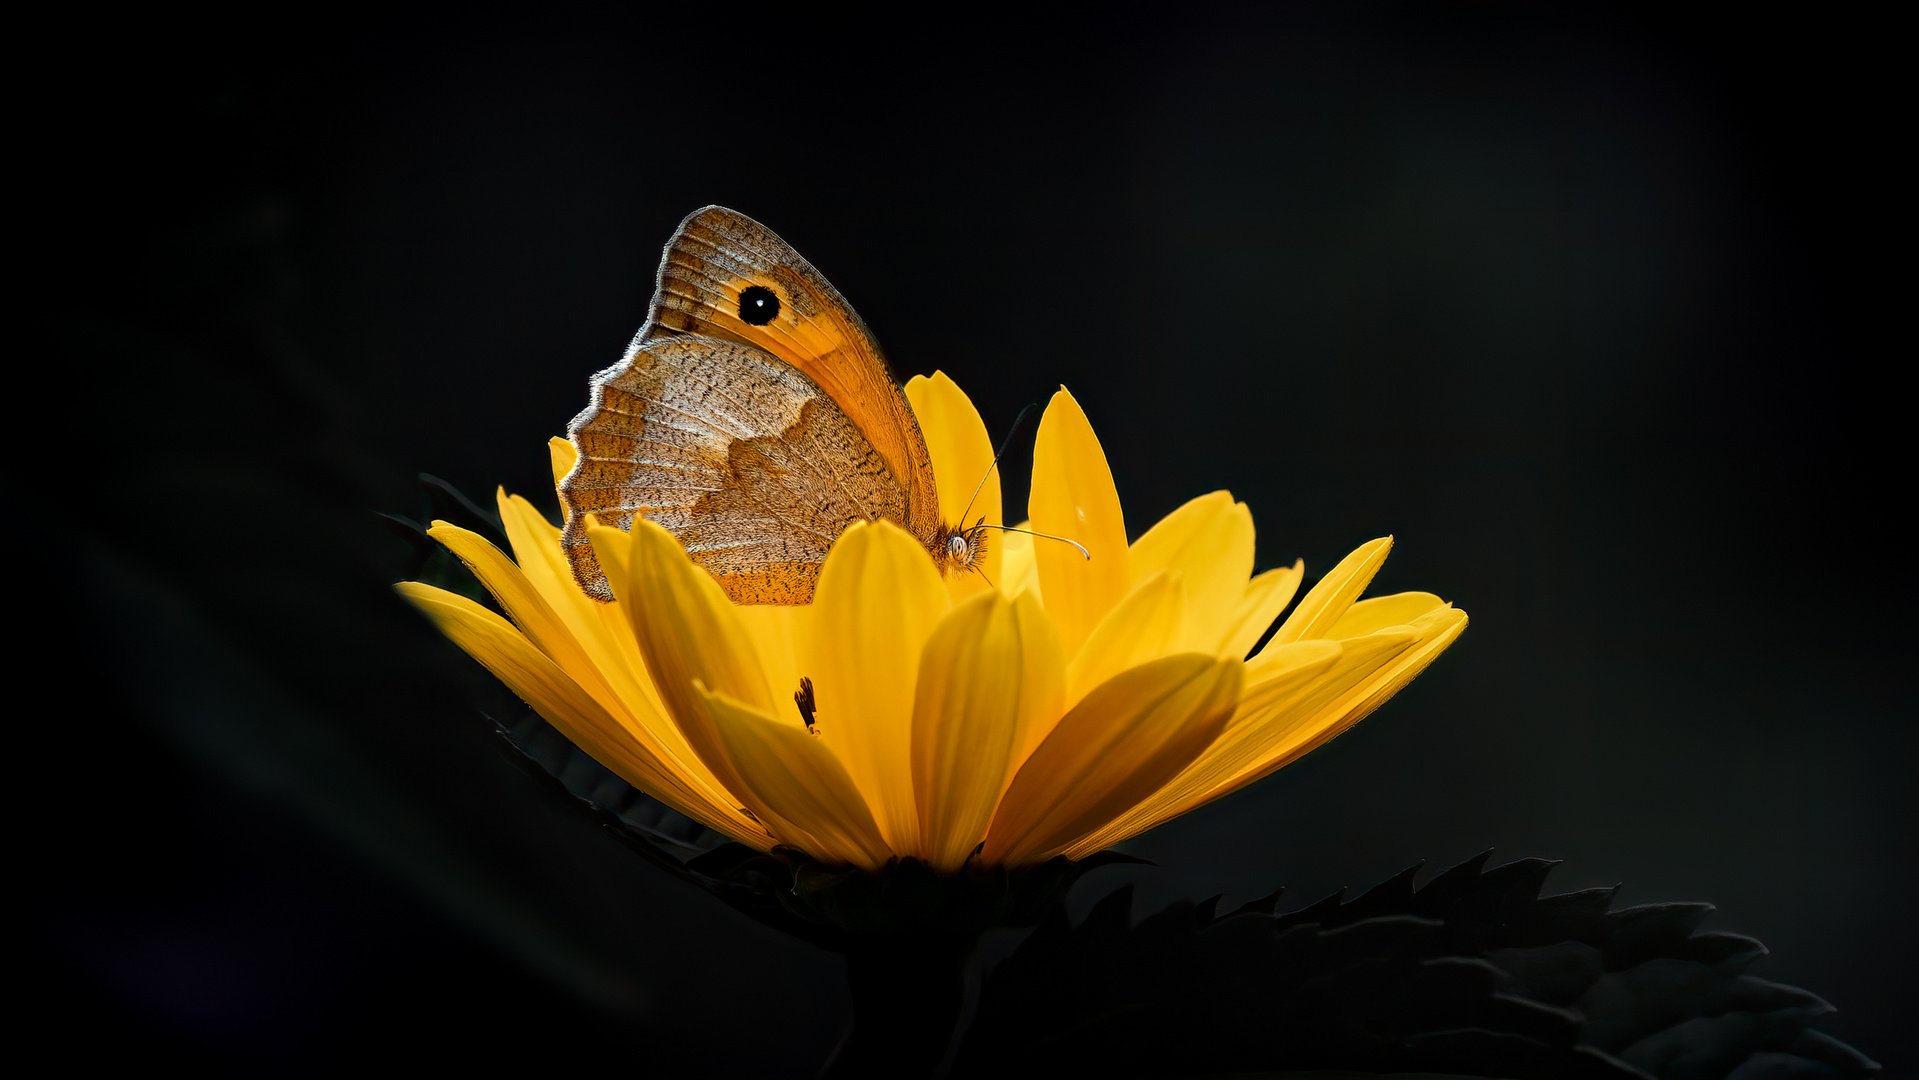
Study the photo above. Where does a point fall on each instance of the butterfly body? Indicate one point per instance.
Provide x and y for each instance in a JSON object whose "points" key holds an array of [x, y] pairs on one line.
{"points": [[754, 418]]}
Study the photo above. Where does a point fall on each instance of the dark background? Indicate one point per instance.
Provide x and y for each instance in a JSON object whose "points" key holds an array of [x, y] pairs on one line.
{"points": [[1582, 308]]}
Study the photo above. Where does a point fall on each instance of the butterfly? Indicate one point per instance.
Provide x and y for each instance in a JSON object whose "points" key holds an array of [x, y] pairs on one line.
{"points": [[754, 418]]}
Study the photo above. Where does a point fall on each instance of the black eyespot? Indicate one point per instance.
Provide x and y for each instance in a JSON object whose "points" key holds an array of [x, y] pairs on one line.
{"points": [[758, 305]]}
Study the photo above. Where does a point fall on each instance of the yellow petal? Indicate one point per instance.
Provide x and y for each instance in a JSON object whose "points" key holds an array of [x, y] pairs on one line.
{"points": [[1371, 670], [1266, 596], [502, 649], [560, 701], [962, 456], [525, 606], [779, 632], [1327, 602], [1119, 745], [619, 630], [1045, 676], [1019, 568], [1294, 709], [1148, 624], [975, 699], [795, 784], [1379, 612], [536, 548], [1289, 673], [1359, 658], [1073, 496], [878, 599], [686, 631], [1438, 629], [1210, 541], [597, 653], [562, 455]]}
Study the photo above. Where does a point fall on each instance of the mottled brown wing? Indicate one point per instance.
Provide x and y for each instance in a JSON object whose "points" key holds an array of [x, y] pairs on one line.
{"points": [[743, 458], [715, 257]]}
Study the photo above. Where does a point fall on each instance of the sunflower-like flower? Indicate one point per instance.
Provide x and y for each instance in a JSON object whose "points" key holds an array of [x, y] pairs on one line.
{"points": [[1048, 705]]}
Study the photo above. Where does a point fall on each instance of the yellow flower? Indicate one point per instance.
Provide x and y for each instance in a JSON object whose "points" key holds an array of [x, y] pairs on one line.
{"points": [[1053, 705]]}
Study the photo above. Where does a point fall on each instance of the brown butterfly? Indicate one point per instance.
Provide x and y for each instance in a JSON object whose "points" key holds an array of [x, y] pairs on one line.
{"points": [[755, 419]]}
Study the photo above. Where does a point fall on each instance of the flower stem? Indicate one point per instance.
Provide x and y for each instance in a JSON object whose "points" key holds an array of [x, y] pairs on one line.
{"points": [[907, 997]]}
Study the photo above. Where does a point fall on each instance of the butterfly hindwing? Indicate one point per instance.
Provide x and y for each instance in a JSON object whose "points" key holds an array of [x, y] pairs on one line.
{"points": [[745, 459]]}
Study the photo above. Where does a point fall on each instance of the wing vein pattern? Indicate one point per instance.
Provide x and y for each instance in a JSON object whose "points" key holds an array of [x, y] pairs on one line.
{"points": [[755, 443]]}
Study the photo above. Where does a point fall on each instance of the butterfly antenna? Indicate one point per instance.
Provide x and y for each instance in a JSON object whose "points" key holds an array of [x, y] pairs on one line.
{"points": [[1044, 536], [1004, 443]]}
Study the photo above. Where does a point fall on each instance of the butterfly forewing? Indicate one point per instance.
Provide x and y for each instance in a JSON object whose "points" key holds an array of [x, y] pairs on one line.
{"points": [[718, 254]]}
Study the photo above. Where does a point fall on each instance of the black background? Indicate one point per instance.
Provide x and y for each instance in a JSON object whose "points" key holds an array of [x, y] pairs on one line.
{"points": [[1584, 309]]}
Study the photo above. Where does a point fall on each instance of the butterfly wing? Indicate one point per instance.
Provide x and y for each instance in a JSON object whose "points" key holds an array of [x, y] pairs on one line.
{"points": [[745, 459], [753, 416], [724, 275]]}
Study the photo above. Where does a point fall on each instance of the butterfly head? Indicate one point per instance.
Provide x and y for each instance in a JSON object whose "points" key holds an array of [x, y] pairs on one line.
{"points": [[959, 549]]}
